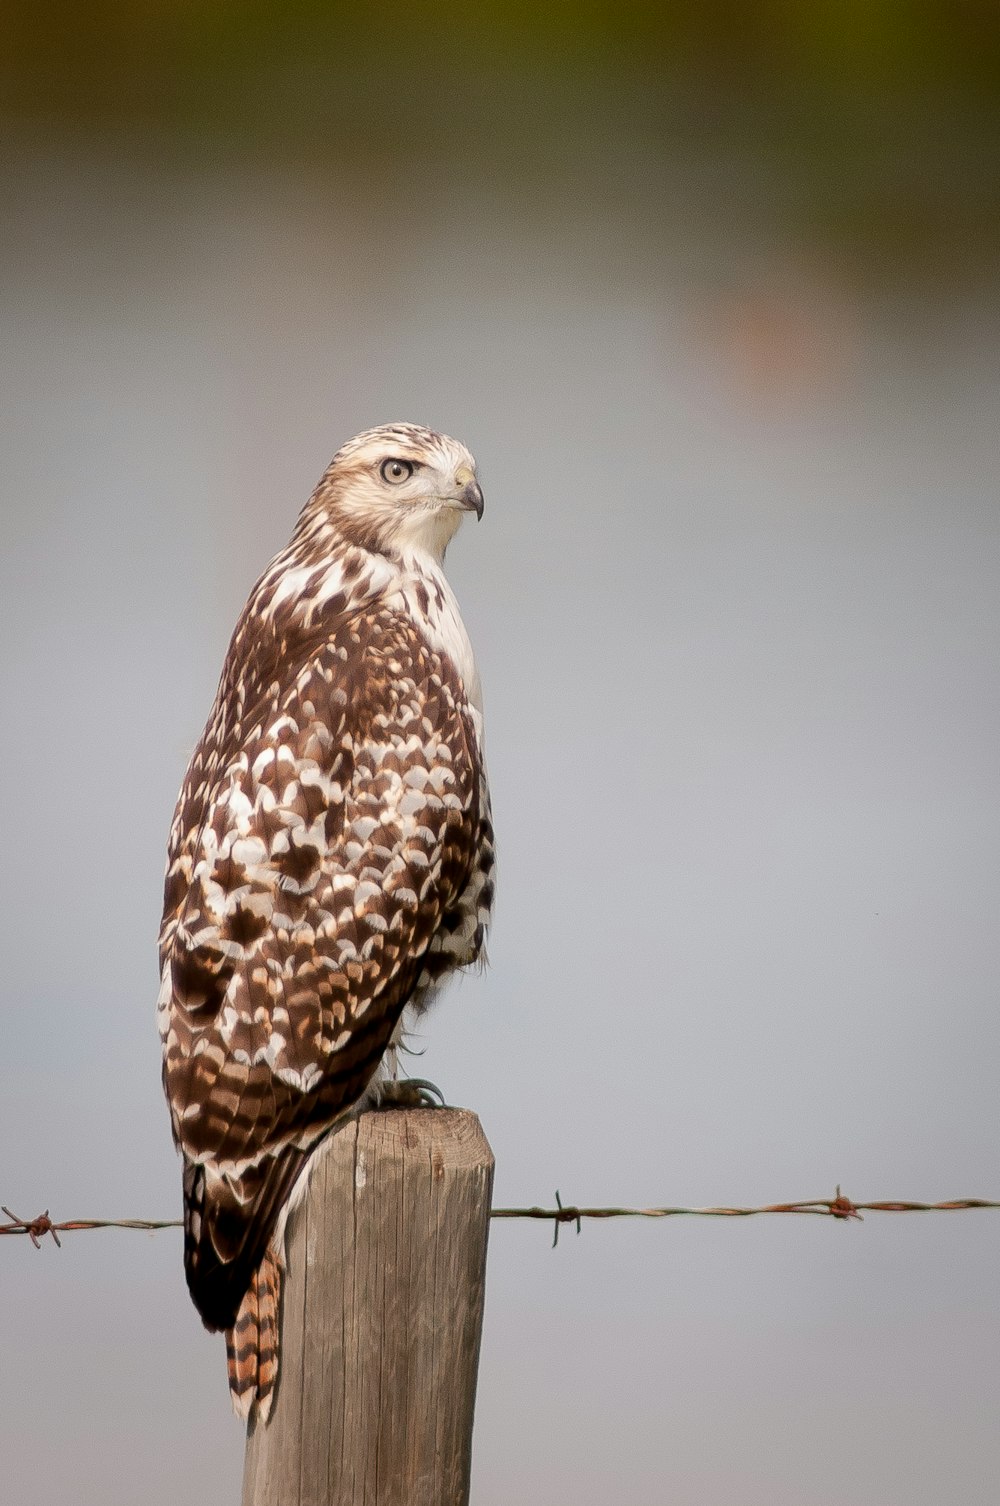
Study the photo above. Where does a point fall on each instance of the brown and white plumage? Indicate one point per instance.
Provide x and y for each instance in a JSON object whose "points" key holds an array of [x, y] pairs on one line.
{"points": [[330, 860]]}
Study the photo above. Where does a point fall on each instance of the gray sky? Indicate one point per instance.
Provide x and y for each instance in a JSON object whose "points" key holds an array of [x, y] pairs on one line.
{"points": [[735, 604]]}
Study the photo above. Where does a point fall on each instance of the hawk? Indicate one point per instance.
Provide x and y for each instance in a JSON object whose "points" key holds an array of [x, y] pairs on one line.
{"points": [[329, 864]]}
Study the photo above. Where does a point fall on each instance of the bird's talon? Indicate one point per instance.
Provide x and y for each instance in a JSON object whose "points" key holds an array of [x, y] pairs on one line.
{"points": [[409, 1093]]}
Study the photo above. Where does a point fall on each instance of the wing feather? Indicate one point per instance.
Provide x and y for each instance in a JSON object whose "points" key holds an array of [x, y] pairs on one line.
{"points": [[326, 833]]}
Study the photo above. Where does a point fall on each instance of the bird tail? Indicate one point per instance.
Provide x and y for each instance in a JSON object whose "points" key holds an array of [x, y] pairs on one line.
{"points": [[252, 1342]]}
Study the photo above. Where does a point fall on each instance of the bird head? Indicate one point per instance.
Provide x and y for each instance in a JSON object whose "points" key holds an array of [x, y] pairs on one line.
{"points": [[400, 489]]}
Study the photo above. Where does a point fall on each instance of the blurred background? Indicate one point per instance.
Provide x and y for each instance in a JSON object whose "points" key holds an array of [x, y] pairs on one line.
{"points": [[712, 293]]}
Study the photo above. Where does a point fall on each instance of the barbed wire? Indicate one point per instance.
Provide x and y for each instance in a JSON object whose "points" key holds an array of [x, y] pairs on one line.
{"points": [[838, 1206]]}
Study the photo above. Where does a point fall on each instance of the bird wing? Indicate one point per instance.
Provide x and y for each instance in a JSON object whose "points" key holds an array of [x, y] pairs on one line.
{"points": [[328, 826]]}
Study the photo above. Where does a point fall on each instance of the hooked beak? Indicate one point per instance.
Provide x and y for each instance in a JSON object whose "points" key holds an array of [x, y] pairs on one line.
{"points": [[470, 498]]}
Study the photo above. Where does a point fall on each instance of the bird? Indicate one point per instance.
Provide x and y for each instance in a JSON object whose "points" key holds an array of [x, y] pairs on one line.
{"points": [[330, 863]]}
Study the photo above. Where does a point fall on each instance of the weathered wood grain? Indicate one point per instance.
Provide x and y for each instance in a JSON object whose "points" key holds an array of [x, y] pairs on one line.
{"points": [[381, 1319]]}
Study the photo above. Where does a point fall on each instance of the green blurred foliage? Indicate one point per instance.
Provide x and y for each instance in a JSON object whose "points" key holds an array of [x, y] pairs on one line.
{"points": [[882, 115], [124, 57]]}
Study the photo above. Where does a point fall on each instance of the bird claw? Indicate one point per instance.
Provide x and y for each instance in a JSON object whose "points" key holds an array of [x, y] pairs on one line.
{"points": [[409, 1093]]}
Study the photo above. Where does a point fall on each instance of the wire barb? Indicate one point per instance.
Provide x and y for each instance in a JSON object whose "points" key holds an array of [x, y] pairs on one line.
{"points": [[562, 1216], [842, 1207], [35, 1228]]}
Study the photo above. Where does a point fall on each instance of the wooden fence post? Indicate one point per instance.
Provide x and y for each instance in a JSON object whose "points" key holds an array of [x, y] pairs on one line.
{"points": [[381, 1319]]}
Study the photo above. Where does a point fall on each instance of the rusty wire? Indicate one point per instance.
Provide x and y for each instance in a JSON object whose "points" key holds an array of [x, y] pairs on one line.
{"points": [[36, 1228], [838, 1206]]}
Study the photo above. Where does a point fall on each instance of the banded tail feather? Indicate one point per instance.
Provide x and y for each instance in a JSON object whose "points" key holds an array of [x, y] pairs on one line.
{"points": [[252, 1342]]}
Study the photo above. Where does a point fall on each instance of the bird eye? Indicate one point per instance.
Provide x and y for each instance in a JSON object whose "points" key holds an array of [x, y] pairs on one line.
{"points": [[395, 471]]}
